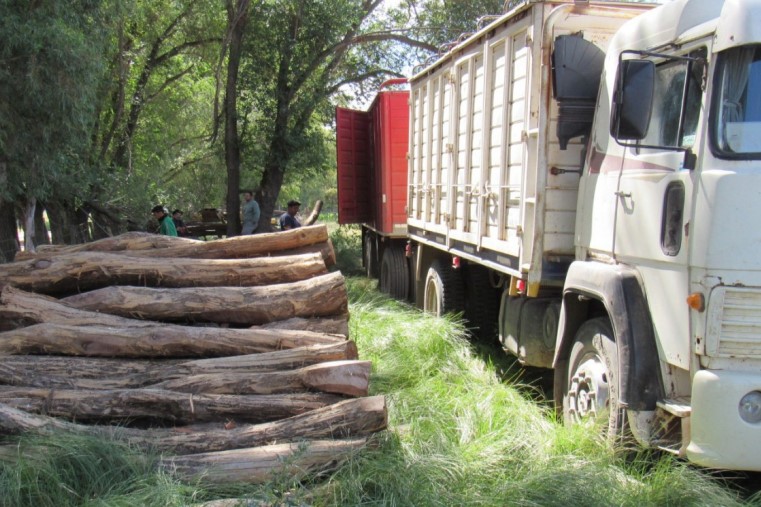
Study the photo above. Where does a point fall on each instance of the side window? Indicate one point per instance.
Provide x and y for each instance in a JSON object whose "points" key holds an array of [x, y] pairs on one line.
{"points": [[678, 98]]}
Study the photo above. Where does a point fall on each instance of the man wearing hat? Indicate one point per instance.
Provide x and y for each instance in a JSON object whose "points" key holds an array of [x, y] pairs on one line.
{"points": [[288, 219], [166, 226]]}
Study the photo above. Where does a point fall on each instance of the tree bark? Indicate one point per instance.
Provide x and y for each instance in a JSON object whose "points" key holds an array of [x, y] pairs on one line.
{"points": [[338, 324], [90, 270], [160, 405], [261, 464], [153, 342], [348, 378], [156, 245], [20, 309], [237, 18], [127, 241], [316, 297], [40, 229], [9, 243], [349, 418], [49, 371]]}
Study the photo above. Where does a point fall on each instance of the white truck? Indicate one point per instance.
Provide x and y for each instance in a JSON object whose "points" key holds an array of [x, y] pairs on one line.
{"points": [[580, 176]]}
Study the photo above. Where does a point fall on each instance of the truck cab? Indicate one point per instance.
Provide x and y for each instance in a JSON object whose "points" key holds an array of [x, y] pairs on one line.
{"points": [[666, 266]]}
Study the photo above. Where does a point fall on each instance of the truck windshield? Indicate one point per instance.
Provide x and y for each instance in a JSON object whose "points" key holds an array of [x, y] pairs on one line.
{"points": [[737, 122]]}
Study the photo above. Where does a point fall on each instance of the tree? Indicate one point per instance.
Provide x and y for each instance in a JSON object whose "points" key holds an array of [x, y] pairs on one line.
{"points": [[50, 66], [295, 55]]}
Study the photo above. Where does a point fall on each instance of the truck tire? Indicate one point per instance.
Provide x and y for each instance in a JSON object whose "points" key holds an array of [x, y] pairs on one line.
{"points": [[481, 303], [443, 289], [395, 273], [370, 259], [590, 388]]}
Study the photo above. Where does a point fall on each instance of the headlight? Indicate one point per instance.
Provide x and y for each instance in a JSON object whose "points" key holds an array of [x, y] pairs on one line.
{"points": [[750, 407]]}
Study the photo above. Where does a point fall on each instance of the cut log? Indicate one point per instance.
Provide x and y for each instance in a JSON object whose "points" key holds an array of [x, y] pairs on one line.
{"points": [[246, 246], [89, 270], [349, 418], [292, 242], [349, 378], [153, 342], [88, 372], [338, 324], [261, 464], [24, 308], [320, 296], [314, 215], [124, 405], [126, 241], [20, 308]]}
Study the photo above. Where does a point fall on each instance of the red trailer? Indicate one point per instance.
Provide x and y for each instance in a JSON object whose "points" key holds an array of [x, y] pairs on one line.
{"points": [[372, 183]]}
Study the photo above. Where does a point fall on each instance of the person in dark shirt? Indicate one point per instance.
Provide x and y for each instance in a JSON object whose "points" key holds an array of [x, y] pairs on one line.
{"points": [[288, 219], [182, 230]]}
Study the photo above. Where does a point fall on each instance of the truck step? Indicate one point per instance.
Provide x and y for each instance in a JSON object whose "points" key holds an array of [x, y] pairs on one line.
{"points": [[679, 407]]}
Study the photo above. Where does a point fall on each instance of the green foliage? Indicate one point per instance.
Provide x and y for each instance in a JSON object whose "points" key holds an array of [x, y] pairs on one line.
{"points": [[347, 242], [51, 62]]}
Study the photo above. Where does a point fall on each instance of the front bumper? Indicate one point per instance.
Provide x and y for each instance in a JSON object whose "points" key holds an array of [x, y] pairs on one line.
{"points": [[719, 438]]}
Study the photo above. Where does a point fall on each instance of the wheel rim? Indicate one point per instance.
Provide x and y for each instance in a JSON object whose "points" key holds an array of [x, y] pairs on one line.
{"points": [[588, 390], [431, 298]]}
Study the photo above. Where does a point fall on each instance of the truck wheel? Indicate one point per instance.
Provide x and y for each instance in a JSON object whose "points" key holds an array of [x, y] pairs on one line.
{"points": [[481, 303], [370, 257], [443, 291], [591, 389], [395, 274]]}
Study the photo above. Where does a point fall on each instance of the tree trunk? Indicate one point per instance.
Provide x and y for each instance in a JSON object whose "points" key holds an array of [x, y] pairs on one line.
{"points": [[90, 270], [9, 243], [153, 342], [349, 418], [258, 465], [160, 405], [320, 296], [29, 212], [57, 216], [50, 371], [41, 237], [237, 17]]}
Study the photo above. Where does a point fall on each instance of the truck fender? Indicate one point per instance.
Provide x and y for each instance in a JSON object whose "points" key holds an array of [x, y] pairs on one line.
{"points": [[618, 289]]}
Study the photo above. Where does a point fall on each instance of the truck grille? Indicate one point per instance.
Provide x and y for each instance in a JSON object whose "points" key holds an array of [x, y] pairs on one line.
{"points": [[734, 323]]}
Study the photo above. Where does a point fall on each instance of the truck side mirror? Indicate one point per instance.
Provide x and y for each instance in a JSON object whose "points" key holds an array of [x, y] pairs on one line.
{"points": [[632, 100]]}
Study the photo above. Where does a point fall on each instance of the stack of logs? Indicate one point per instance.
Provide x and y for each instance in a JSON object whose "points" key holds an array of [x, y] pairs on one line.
{"points": [[231, 356]]}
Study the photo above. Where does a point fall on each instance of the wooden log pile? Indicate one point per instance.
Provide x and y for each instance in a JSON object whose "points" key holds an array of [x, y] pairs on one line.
{"points": [[231, 357]]}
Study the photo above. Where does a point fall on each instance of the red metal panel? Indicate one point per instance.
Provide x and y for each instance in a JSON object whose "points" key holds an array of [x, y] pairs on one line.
{"points": [[353, 158], [390, 113]]}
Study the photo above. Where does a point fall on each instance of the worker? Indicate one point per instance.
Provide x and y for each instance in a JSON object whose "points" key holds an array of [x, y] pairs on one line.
{"points": [[250, 213], [288, 219], [179, 223], [166, 225]]}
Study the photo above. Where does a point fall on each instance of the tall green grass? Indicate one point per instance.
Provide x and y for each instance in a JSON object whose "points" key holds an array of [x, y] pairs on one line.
{"points": [[458, 434]]}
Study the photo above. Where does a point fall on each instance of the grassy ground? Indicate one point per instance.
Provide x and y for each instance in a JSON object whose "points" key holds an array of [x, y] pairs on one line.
{"points": [[458, 435]]}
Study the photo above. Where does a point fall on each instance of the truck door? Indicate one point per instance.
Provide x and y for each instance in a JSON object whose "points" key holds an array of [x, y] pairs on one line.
{"points": [[654, 201], [355, 199]]}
